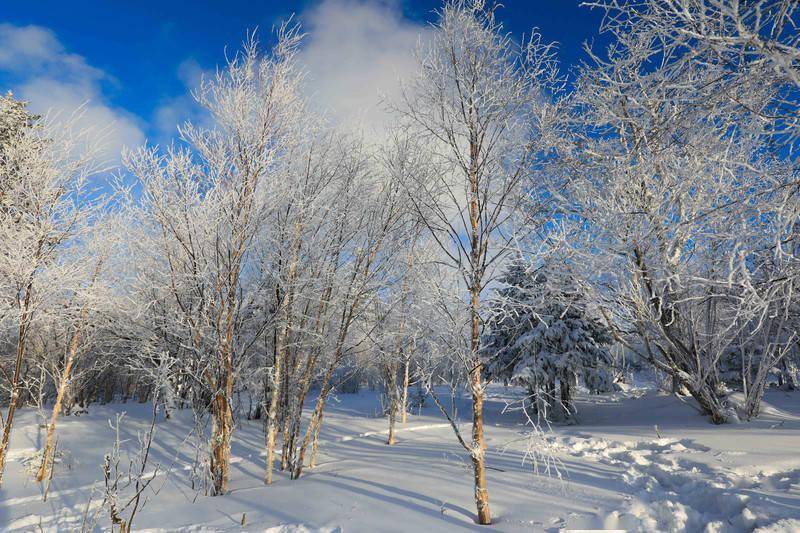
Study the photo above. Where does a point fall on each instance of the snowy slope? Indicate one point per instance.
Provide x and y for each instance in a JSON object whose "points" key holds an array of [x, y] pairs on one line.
{"points": [[617, 471]]}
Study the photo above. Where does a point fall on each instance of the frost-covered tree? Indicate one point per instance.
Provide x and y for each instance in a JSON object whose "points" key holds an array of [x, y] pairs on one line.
{"points": [[45, 211], [88, 303], [680, 195], [753, 45], [206, 205], [369, 211], [480, 106], [540, 334]]}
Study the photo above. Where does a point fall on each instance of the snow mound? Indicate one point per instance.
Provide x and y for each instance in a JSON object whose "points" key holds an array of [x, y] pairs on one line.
{"points": [[673, 493], [791, 525]]}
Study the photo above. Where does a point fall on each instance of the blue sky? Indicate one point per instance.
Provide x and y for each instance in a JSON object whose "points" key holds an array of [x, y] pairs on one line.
{"points": [[134, 62]]}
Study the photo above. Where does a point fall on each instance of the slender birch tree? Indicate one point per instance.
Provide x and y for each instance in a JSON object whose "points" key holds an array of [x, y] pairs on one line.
{"points": [[45, 208], [208, 203], [482, 104], [83, 304]]}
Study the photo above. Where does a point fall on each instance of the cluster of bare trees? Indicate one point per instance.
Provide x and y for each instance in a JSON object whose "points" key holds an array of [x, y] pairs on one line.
{"points": [[261, 246], [49, 261], [688, 184], [267, 258]]}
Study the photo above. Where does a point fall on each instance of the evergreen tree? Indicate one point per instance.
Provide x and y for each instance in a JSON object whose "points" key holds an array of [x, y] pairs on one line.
{"points": [[541, 336], [15, 122]]}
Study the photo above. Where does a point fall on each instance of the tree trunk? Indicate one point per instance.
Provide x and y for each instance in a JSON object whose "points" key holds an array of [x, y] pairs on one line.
{"points": [[477, 256], [305, 382], [280, 353], [478, 440], [478, 449], [296, 415], [391, 382], [325, 389], [65, 377], [62, 387], [312, 462], [286, 403], [405, 357], [404, 395], [221, 433], [566, 396], [15, 382], [394, 401], [708, 401], [313, 426], [272, 414], [221, 407]]}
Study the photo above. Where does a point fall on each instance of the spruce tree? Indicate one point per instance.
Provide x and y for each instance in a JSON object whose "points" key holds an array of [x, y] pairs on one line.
{"points": [[542, 336]]}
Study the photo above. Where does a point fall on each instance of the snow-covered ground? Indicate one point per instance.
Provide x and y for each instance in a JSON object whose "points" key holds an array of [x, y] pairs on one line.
{"points": [[618, 471]]}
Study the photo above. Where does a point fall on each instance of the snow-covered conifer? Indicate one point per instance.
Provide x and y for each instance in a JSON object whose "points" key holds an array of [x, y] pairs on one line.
{"points": [[540, 333]]}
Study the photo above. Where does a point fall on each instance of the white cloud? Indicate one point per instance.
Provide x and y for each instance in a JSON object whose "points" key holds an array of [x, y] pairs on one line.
{"points": [[355, 52], [191, 73], [55, 81], [177, 110]]}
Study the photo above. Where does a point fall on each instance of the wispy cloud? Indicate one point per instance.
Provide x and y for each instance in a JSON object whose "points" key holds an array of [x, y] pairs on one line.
{"points": [[355, 53], [176, 110], [41, 70]]}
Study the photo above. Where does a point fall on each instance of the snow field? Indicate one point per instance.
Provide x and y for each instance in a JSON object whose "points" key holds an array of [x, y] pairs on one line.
{"points": [[616, 473]]}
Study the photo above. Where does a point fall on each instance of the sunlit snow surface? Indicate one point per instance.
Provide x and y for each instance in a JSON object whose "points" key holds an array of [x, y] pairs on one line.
{"points": [[617, 472]]}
